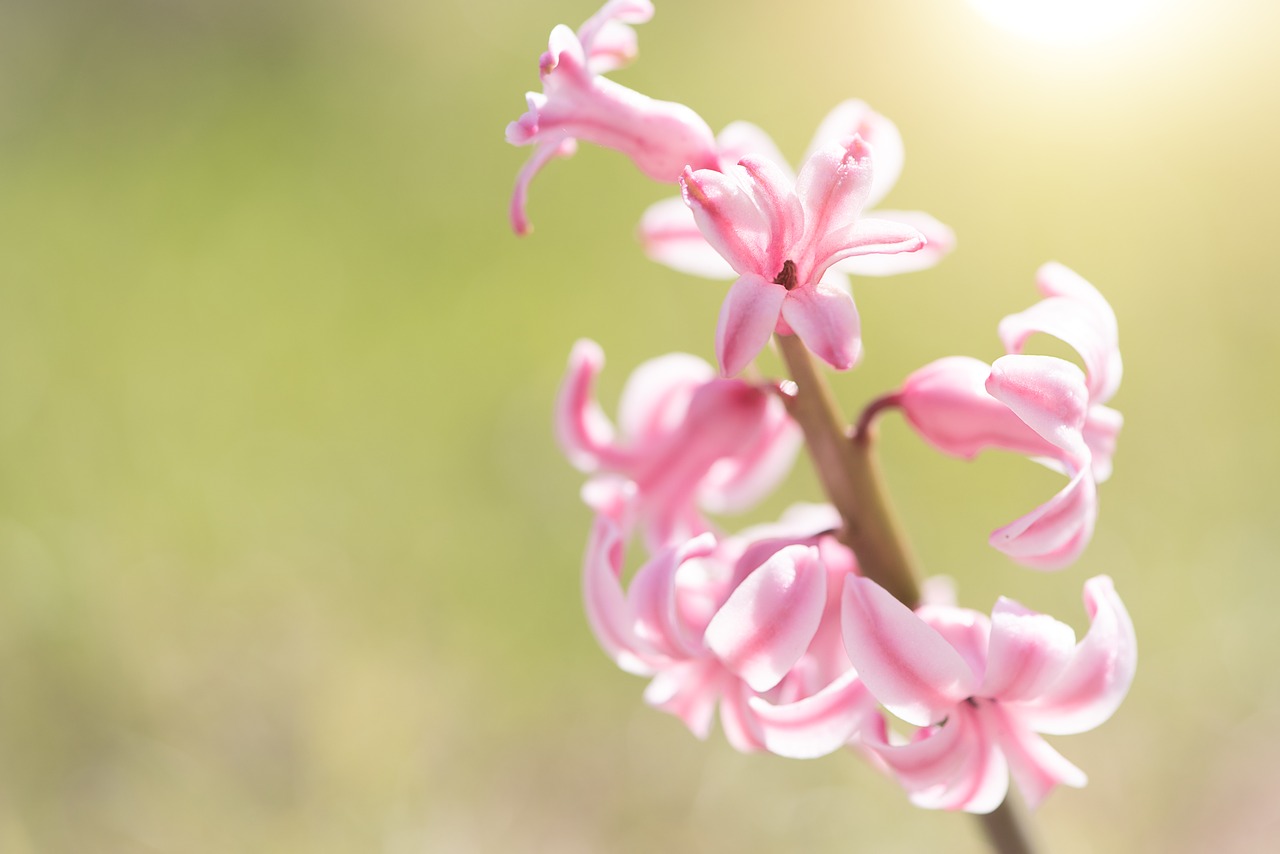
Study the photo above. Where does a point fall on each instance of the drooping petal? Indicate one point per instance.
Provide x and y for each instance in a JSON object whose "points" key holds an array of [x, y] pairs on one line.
{"points": [[1049, 394], [1055, 533], [815, 725], [729, 218], [656, 397], [1036, 767], [827, 322], [669, 235], [689, 690], [769, 620], [608, 613], [1027, 652], [740, 139], [543, 153], [747, 319], [939, 241], [1098, 676], [651, 598], [906, 664], [947, 404], [583, 430], [855, 118]]}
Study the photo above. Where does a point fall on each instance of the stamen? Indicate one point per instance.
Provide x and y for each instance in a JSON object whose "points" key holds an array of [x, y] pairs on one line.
{"points": [[787, 276]]}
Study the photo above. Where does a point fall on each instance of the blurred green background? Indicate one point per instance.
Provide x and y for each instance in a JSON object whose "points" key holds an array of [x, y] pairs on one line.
{"points": [[288, 557]]}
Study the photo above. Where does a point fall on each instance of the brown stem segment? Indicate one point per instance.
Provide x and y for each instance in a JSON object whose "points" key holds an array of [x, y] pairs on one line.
{"points": [[850, 474]]}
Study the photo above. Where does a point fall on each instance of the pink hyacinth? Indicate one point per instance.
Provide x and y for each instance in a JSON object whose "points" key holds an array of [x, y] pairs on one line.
{"points": [[685, 440], [781, 237], [576, 102], [1039, 406], [748, 624], [982, 691]]}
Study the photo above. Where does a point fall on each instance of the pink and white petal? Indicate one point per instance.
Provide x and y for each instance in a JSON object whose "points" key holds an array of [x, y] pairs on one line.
{"points": [[689, 690], [833, 186], [656, 397], [853, 117], [826, 320], [775, 195], [584, 432], [608, 613], [747, 319], [1077, 324], [729, 218], [608, 39], [737, 483], [1049, 394], [947, 404], [669, 235], [740, 139], [905, 663], [1101, 429], [1028, 652], [769, 620], [1057, 280], [939, 241], [543, 153], [1035, 766], [1097, 678], [968, 632], [652, 600], [1055, 533], [867, 237], [741, 729], [815, 725]]}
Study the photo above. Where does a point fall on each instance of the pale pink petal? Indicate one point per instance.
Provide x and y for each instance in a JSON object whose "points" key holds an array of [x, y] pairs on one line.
{"points": [[543, 153], [774, 192], [939, 241], [967, 631], [1101, 429], [1028, 651], [1056, 280], [608, 613], [1049, 394], [583, 430], [826, 320], [1098, 676], [832, 186], [740, 139], [651, 599], [867, 237], [1079, 325], [947, 403], [770, 619], [906, 664], [608, 40], [656, 397], [737, 483], [669, 235], [1055, 533], [815, 725], [747, 319], [741, 728], [690, 691], [729, 218], [855, 118], [1036, 767]]}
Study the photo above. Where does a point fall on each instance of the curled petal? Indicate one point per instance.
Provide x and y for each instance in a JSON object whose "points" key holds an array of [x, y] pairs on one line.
{"points": [[608, 40], [689, 690], [653, 603], [735, 483], [740, 139], [815, 725], [833, 186], [1036, 767], [968, 632], [741, 728], [656, 397], [770, 619], [1049, 394], [747, 319], [543, 153], [906, 664], [868, 237], [1027, 652], [855, 118], [608, 613], [939, 241], [669, 235], [774, 193], [1101, 429], [1098, 676], [1055, 533], [826, 320], [584, 433], [729, 218]]}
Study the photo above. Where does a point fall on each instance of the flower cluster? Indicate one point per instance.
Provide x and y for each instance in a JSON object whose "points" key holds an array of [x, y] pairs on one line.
{"points": [[788, 631]]}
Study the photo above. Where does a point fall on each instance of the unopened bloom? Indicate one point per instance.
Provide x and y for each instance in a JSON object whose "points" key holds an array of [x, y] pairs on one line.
{"points": [[748, 624], [577, 102], [1039, 406], [685, 440], [781, 237], [982, 691]]}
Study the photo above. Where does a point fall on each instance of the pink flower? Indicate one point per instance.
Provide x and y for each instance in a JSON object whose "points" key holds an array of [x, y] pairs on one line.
{"points": [[781, 237], [576, 102], [1043, 407], [670, 234], [687, 440], [749, 624], [981, 691]]}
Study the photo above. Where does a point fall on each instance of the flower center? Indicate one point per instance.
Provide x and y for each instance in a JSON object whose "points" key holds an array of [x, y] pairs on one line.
{"points": [[787, 275]]}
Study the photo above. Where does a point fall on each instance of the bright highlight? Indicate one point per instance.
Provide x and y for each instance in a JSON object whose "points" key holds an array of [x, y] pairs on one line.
{"points": [[1063, 21]]}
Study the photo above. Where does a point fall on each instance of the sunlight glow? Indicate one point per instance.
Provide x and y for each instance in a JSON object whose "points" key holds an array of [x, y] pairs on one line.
{"points": [[1063, 21]]}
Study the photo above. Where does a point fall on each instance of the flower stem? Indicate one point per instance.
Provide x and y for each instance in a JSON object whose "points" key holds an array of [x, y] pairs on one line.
{"points": [[850, 474]]}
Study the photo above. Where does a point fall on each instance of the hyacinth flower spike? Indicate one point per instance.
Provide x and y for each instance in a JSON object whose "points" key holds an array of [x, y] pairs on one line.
{"points": [[578, 102], [781, 238], [982, 691]]}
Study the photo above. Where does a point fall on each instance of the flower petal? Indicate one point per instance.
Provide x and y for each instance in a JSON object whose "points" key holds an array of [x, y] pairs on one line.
{"points": [[1028, 651], [833, 186], [1101, 428], [1049, 394], [906, 664], [669, 235], [606, 37], [1055, 533], [608, 613], [769, 620], [729, 218], [656, 397], [747, 319], [689, 690], [584, 432], [741, 728], [740, 139], [939, 241], [1036, 767], [651, 599], [815, 725], [543, 153], [851, 118], [826, 320], [738, 482], [868, 237]]}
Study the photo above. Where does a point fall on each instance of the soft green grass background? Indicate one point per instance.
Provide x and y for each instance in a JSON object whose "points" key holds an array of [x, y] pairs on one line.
{"points": [[288, 558]]}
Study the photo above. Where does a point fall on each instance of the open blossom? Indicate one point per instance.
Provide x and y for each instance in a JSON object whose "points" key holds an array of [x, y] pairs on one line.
{"points": [[670, 234], [781, 237], [982, 691], [1039, 406], [685, 440], [577, 102], [748, 624]]}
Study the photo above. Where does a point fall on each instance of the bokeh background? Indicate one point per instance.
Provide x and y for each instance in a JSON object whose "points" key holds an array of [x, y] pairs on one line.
{"points": [[288, 557]]}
